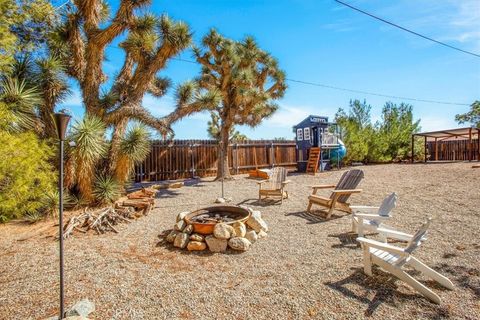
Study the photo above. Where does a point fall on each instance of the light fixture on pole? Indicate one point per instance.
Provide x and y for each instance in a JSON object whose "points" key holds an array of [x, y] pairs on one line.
{"points": [[61, 121]]}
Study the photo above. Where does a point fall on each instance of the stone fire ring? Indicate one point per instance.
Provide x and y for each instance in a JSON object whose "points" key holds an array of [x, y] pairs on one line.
{"points": [[217, 228], [206, 228]]}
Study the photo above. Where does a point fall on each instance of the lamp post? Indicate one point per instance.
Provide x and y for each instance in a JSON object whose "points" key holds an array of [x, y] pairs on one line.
{"points": [[61, 121]]}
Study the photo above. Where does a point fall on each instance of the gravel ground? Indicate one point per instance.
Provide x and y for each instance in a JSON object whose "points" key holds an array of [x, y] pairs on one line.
{"points": [[307, 268]]}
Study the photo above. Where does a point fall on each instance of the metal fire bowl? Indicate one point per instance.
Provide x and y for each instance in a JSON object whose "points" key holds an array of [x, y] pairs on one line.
{"points": [[239, 213]]}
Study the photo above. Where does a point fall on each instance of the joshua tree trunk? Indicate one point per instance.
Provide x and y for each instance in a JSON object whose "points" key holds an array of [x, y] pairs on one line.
{"points": [[118, 133], [222, 163]]}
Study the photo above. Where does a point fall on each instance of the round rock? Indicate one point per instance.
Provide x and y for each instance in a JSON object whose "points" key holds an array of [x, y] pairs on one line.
{"points": [[251, 236], [239, 229], [216, 245], [223, 231], [238, 243], [196, 246]]}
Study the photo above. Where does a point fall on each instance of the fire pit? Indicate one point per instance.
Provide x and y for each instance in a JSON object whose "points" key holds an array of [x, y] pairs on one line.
{"points": [[217, 228], [204, 220]]}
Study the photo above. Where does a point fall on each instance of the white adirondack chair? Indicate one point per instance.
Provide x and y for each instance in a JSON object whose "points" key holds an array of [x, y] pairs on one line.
{"points": [[392, 259], [366, 218]]}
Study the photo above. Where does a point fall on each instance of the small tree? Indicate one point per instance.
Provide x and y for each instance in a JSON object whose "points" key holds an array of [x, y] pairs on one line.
{"points": [[246, 81], [472, 116], [396, 130], [357, 130]]}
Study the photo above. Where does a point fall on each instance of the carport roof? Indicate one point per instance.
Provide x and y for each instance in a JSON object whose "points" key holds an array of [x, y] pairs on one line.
{"points": [[451, 134]]}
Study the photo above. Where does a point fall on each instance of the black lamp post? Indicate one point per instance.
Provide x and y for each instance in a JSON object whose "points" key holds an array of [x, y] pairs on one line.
{"points": [[61, 122]]}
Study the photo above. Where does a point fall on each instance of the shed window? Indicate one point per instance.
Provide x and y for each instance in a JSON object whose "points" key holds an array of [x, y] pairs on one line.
{"points": [[299, 134], [306, 134]]}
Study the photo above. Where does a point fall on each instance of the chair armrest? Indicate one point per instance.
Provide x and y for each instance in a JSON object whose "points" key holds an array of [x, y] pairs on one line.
{"points": [[366, 208], [382, 246], [339, 192], [324, 186], [394, 234], [370, 216], [284, 183], [260, 182]]}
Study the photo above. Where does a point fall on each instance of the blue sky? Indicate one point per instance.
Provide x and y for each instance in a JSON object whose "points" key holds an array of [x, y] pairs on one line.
{"points": [[323, 42]]}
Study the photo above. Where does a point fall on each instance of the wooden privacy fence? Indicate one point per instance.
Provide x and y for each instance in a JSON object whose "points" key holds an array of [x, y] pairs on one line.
{"points": [[453, 150], [178, 159]]}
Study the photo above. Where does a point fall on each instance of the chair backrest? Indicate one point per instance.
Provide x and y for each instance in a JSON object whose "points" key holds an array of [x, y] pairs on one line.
{"points": [[349, 180], [388, 204], [278, 175], [418, 237]]}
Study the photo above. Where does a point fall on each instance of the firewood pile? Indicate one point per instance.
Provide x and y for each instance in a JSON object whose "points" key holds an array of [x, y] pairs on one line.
{"points": [[125, 210]]}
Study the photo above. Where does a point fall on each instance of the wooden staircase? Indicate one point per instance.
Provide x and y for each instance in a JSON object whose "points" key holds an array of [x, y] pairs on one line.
{"points": [[313, 158]]}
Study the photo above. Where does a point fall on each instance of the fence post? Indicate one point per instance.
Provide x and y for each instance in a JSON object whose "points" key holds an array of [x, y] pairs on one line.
{"points": [[272, 156], [236, 157]]}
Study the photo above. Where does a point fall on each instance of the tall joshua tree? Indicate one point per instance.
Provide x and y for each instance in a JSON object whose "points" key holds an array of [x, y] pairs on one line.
{"points": [[150, 42], [245, 79]]}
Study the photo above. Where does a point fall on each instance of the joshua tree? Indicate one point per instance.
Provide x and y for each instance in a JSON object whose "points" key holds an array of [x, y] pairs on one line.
{"points": [[214, 129], [245, 80], [150, 43]]}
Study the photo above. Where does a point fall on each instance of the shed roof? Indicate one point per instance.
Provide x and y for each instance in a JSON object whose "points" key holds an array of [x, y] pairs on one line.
{"points": [[451, 134]]}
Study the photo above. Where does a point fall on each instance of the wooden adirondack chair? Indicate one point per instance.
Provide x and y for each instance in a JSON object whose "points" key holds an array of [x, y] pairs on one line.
{"points": [[367, 218], [275, 185], [338, 199], [392, 259]]}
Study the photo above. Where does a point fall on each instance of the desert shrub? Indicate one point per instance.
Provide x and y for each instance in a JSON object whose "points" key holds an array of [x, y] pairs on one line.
{"points": [[26, 175]]}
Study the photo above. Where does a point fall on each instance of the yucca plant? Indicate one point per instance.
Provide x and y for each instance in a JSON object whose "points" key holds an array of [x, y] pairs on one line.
{"points": [[76, 201], [51, 202], [90, 147], [33, 217], [18, 103], [106, 189], [134, 148]]}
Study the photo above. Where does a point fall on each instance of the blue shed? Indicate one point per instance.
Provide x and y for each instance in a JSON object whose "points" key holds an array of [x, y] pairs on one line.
{"points": [[314, 131]]}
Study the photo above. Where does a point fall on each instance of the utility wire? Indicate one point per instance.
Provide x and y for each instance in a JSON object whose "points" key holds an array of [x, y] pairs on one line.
{"points": [[408, 30], [346, 89], [377, 94]]}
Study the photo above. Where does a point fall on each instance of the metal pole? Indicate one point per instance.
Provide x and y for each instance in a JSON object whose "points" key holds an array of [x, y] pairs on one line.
{"points": [[60, 229], [61, 122]]}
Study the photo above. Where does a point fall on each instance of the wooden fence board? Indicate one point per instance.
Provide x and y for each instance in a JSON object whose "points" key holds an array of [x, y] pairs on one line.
{"points": [[178, 159], [454, 150]]}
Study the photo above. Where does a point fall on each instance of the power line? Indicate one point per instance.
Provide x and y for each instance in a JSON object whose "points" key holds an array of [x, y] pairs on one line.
{"points": [[346, 89], [408, 30], [377, 94]]}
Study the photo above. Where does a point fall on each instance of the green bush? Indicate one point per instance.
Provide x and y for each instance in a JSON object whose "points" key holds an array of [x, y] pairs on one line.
{"points": [[386, 140], [26, 176]]}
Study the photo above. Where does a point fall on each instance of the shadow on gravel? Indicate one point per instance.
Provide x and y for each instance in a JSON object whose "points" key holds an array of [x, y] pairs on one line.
{"points": [[360, 287], [468, 278], [259, 203], [347, 240], [166, 193], [312, 218]]}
